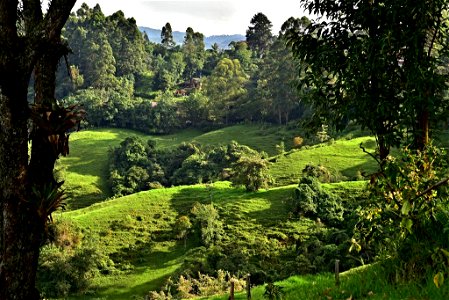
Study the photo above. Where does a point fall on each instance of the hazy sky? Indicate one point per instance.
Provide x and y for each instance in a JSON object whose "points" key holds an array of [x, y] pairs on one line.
{"points": [[206, 16]]}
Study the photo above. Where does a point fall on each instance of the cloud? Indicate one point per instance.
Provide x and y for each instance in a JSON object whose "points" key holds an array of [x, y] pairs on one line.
{"points": [[205, 10]]}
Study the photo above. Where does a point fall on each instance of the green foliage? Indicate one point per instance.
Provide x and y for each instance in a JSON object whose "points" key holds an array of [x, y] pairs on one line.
{"points": [[379, 64], [201, 285], [135, 166], [273, 292], [167, 36], [67, 266], [181, 227], [322, 173], [408, 213], [208, 222], [193, 50], [251, 172], [224, 86], [259, 36], [314, 202]]}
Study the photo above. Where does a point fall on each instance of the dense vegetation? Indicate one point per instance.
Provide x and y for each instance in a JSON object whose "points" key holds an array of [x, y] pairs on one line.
{"points": [[158, 88], [136, 166]]}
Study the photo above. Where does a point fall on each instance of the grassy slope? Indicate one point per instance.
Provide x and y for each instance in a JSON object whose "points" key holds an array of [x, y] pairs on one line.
{"points": [[344, 156], [136, 229], [85, 169], [367, 282]]}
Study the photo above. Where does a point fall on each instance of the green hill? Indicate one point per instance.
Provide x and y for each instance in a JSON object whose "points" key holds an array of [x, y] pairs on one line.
{"points": [[136, 230], [342, 156], [85, 170]]}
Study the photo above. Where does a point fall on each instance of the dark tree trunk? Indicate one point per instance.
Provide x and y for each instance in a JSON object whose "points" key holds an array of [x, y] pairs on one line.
{"points": [[422, 131], [21, 226], [22, 219]]}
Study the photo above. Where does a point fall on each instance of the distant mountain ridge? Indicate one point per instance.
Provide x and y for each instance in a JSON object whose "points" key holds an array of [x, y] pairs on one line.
{"points": [[222, 41]]}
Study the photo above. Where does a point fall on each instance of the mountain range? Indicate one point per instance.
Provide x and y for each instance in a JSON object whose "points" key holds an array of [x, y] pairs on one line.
{"points": [[222, 40]]}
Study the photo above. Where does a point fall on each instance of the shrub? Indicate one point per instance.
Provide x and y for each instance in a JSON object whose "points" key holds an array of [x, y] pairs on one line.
{"points": [[406, 217], [297, 142], [322, 173], [251, 172], [181, 228], [61, 272], [136, 166], [208, 221], [273, 292], [313, 201], [201, 285]]}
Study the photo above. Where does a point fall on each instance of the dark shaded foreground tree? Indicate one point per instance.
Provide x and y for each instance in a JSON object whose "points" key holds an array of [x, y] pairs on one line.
{"points": [[29, 41], [381, 64]]}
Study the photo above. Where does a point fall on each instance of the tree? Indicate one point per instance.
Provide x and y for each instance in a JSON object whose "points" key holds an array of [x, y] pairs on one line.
{"points": [[251, 172], [377, 63], [167, 36], [259, 35], [225, 85], [276, 85], [194, 54], [29, 41]]}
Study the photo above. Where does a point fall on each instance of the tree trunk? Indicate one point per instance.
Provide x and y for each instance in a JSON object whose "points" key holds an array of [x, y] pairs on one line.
{"points": [[22, 219], [21, 227], [422, 132], [384, 149]]}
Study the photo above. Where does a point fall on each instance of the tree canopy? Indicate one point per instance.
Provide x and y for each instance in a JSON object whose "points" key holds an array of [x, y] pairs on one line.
{"points": [[380, 64]]}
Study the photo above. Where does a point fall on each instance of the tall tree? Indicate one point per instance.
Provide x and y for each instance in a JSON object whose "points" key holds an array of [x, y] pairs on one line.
{"points": [[194, 53], [29, 40], [167, 36], [224, 87], [259, 36], [276, 84], [378, 63]]}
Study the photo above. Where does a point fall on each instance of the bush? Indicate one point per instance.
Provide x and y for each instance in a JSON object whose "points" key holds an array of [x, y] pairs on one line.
{"points": [[322, 173], [297, 142], [61, 272], [312, 201], [208, 222], [136, 166], [201, 285], [251, 172], [273, 292]]}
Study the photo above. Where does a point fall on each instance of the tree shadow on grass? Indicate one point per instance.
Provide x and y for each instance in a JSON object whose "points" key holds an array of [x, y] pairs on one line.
{"points": [[235, 205], [143, 258]]}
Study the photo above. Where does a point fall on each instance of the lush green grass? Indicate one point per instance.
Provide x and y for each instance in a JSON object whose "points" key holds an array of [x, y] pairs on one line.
{"points": [[136, 230], [344, 156], [367, 282], [262, 138]]}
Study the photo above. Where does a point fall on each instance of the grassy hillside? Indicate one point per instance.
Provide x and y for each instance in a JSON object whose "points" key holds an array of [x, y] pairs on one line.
{"points": [[366, 282], [136, 230], [343, 156], [85, 170]]}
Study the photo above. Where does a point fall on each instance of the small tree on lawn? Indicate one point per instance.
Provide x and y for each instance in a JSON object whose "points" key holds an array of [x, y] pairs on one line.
{"points": [[251, 172]]}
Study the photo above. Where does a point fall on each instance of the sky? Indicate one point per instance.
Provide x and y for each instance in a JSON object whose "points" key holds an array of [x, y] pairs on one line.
{"points": [[210, 17]]}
